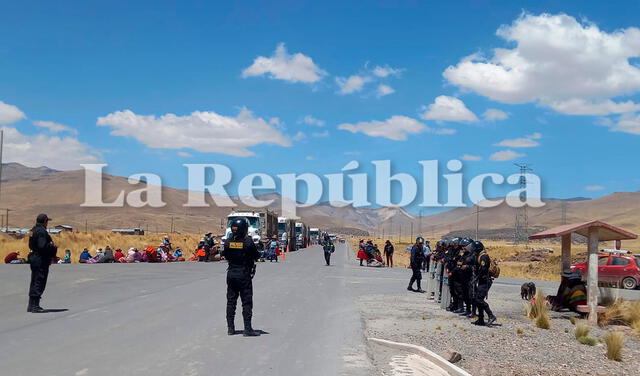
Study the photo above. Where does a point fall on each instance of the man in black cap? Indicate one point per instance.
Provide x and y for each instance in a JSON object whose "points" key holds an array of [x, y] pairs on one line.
{"points": [[417, 260], [42, 251]]}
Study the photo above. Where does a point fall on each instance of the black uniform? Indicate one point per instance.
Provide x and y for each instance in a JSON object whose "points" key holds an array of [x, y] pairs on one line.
{"points": [[241, 255], [328, 250], [417, 258], [484, 282], [468, 262], [42, 251], [452, 259]]}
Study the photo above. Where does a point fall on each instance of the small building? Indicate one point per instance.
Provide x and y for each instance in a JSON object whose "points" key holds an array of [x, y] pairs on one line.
{"points": [[64, 228], [128, 231]]}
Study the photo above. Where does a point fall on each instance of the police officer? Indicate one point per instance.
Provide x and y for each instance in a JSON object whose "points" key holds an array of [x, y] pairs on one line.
{"points": [[241, 254], [42, 251], [209, 243], [451, 261], [466, 272], [328, 248], [417, 259], [483, 283]]}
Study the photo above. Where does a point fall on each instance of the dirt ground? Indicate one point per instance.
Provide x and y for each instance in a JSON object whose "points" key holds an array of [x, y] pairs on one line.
{"points": [[496, 351]]}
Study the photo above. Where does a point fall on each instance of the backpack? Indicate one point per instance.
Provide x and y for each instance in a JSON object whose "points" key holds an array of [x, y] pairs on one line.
{"points": [[494, 268]]}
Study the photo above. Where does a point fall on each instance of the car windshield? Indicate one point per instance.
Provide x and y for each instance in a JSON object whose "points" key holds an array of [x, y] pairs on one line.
{"points": [[253, 221]]}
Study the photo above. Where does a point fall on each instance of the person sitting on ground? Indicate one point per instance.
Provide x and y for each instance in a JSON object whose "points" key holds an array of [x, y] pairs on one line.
{"points": [[200, 251], [107, 256], [118, 255], [85, 256], [166, 242], [67, 257], [177, 255], [14, 258]]}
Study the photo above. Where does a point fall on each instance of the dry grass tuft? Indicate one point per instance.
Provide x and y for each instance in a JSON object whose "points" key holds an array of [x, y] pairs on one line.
{"points": [[614, 342], [519, 331], [538, 311], [582, 330], [572, 320], [622, 312], [588, 340]]}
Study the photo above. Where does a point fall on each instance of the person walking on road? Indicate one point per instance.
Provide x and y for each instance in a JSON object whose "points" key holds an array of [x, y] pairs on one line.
{"points": [[417, 259], [241, 254], [388, 253], [328, 248], [484, 281], [42, 251]]}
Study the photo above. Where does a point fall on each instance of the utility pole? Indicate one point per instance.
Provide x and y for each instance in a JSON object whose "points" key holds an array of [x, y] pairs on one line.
{"points": [[521, 228], [411, 233], [85, 226], [477, 221], [399, 232], [6, 219], [171, 224]]}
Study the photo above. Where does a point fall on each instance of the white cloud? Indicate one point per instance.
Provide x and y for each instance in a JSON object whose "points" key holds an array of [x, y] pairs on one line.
{"points": [[299, 136], [10, 113], [528, 141], [320, 134], [282, 66], [206, 132], [394, 128], [505, 155], [310, 120], [184, 154], [61, 153], [594, 187], [54, 127], [493, 114], [627, 123], [386, 71], [468, 157], [585, 107], [557, 61], [351, 84], [385, 90], [309, 158], [447, 108]]}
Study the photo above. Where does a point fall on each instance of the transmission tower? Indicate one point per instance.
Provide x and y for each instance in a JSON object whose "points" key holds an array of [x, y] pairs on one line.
{"points": [[521, 228]]}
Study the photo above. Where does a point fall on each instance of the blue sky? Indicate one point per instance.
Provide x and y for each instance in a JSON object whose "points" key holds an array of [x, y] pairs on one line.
{"points": [[567, 84]]}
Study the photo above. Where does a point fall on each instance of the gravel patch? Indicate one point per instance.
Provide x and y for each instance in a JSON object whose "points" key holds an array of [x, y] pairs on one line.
{"points": [[500, 350]]}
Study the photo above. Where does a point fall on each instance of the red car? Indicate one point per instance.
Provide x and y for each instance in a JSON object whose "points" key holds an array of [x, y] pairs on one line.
{"points": [[622, 269]]}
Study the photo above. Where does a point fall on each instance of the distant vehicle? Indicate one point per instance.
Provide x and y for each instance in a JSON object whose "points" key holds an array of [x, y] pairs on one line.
{"points": [[128, 231], [615, 267], [314, 233], [286, 232], [302, 235], [263, 224]]}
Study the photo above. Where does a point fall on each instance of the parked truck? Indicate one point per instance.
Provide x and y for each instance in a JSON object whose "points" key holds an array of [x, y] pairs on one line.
{"points": [[314, 234], [287, 233], [263, 224], [302, 235]]}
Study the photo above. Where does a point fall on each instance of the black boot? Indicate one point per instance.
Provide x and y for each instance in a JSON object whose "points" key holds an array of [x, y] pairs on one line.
{"points": [[34, 305], [419, 287], [479, 322], [248, 330]]}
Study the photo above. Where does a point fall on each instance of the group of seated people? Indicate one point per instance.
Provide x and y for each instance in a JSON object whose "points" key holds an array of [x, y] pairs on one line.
{"points": [[370, 253], [161, 253]]}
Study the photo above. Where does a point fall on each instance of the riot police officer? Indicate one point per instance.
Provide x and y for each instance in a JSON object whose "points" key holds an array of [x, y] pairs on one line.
{"points": [[451, 261], [483, 283], [466, 273], [241, 254], [417, 260], [328, 248], [42, 251]]}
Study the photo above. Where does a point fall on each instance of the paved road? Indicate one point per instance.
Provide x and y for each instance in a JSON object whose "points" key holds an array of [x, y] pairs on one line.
{"points": [[169, 319]]}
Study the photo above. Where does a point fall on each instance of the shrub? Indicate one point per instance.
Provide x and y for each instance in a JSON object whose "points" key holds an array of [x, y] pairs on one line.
{"points": [[582, 330], [588, 340], [614, 342], [572, 320]]}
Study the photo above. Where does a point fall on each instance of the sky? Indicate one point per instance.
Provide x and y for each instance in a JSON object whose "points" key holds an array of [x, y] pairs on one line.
{"points": [[301, 86]]}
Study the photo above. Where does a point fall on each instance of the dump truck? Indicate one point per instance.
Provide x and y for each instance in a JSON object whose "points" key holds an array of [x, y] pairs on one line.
{"points": [[263, 224], [314, 234], [302, 235], [287, 232]]}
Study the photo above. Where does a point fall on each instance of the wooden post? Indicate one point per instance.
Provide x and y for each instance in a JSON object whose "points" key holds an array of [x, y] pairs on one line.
{"points": [[592, 277], [566, 253]]}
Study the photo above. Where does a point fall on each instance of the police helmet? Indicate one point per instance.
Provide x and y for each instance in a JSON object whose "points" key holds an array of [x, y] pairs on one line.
{"points": [[465, 242], [239, 227], [475, 246], [419, 239], [455, 242]]}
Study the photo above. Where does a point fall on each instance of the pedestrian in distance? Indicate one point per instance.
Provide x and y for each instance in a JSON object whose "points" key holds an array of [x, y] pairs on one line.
{"points": [[388, 253], [417, 259], [328, 248], [42, 251], [241, 254]]}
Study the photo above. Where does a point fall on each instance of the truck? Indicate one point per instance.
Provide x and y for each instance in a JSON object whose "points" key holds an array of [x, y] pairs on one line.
{"points": [[314, 234], [302, 235], [287, 232], [263, 224]]}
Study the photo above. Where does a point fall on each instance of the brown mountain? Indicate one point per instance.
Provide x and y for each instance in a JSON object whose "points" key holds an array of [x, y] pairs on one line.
{"points": [[28, 191]]}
